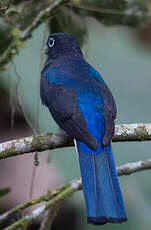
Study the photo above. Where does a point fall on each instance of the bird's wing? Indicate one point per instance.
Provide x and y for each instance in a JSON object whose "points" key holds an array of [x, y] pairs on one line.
{"points": [[110, 112], [62, 104], [109, 104]]}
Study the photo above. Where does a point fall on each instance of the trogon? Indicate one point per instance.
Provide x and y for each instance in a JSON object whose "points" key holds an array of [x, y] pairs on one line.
{"points": [[82, 104]]}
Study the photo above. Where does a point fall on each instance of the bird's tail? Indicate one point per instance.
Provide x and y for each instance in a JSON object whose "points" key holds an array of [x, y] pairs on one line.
{"points": [[101, 188]]}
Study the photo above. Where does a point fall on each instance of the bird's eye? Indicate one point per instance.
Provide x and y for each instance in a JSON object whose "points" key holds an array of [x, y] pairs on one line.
{"points": [[51, 42]]}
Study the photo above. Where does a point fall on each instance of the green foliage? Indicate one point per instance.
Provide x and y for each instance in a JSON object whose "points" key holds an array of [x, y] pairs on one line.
{"points": [[4, 3], [67, 20], [109, 12], [4, 191], [5, 35], [66, 16]]}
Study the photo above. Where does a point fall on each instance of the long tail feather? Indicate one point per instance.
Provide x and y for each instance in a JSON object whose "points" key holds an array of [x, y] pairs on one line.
{"points": [[101, 188]]}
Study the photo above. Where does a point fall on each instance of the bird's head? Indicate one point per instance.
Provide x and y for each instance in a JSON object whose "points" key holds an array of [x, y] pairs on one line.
{"points": [[62, 44]]}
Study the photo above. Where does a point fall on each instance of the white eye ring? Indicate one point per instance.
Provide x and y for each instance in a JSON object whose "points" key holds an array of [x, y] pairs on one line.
{"points": [[51, 42]]}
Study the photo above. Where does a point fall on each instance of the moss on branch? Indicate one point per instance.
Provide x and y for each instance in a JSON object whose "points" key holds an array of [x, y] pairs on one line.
{"points": [[123, 133]]}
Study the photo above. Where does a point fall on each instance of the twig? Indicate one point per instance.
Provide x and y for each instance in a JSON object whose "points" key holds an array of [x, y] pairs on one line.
{"points": [[123, 133], [44, 14], [3, 9], [8, 52], [97, 9], [32, 202], [49, 218], [133, 167], [24, 221]]}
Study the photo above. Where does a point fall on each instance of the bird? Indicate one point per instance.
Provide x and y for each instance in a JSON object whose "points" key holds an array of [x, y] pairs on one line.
{"points": [[83, 106]]}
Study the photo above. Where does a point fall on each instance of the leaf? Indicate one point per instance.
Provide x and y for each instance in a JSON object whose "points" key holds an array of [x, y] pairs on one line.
{"points": [[4, 191]]}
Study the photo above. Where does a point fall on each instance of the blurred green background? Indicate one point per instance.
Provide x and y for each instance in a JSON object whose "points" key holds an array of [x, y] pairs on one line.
{"points": [[124, 61]]}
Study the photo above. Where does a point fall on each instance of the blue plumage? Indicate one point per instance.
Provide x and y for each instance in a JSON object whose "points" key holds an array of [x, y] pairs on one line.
{"points": [[82, 104], [99, 178]]}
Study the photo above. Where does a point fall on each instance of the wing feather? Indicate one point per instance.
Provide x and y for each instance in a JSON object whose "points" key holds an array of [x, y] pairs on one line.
{"points": [[62, 104]]}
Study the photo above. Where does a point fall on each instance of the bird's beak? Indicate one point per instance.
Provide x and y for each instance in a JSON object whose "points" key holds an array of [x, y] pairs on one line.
{"points": [[45, 50]]}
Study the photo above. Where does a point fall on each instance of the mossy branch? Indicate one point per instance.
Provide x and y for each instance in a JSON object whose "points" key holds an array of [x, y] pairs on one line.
{"points": [[56, 196], [123, 133], [42, 198], [49, 218], [41, 17], [27, 219]]}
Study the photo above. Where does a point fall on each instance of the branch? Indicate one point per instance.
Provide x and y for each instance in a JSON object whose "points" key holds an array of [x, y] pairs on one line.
{"points": [[42, 198], [123, 133], [49, 218], [132, 132], [34, 143], [4, 8], [133, 167], [27, 219], [65, 191], [43, 15], [110, 12]]}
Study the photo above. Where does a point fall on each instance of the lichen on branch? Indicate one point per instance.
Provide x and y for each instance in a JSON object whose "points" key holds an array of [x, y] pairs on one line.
{"points": [[123, 133]]}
